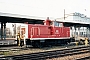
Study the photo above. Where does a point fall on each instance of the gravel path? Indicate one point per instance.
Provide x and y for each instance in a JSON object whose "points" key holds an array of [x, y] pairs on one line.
{"points": [[73, 57]]}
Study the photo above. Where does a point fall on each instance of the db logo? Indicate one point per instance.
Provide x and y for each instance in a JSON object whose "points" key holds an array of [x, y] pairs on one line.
{"points": [[56, 31]]}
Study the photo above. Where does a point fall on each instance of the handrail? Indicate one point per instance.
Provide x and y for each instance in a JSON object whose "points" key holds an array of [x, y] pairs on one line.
{"points": [[32, 30], [39, 30]]}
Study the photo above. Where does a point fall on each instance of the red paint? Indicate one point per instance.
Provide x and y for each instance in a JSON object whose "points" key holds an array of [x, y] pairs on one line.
{"points": [[47, 30]]}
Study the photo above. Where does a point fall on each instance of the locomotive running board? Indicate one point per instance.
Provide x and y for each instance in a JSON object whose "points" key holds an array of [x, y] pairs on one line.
{"points": [[49, 38]]}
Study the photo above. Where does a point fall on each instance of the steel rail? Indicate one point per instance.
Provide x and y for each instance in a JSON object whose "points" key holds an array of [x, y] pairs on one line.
{"points": [[49, 54]]}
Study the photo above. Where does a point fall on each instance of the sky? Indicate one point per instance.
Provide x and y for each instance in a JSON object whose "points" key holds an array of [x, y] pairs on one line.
{"points": [[45, 8]]}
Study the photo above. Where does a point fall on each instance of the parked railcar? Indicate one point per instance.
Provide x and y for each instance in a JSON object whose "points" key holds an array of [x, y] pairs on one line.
{"points": [[50, 33]]}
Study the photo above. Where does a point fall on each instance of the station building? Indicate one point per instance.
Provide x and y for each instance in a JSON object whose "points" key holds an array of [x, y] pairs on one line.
{"points": [[72, 18], [77, 18]]}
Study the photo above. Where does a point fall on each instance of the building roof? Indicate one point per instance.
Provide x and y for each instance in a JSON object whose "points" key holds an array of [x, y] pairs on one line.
{"points": [[21, 16]]}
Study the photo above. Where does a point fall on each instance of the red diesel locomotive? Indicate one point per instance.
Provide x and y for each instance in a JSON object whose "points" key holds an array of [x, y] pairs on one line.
{"points": [[47, 34]]}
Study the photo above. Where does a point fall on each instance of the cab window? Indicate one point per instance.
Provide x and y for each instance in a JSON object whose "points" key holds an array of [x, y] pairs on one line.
{"points": [[58, 24]]}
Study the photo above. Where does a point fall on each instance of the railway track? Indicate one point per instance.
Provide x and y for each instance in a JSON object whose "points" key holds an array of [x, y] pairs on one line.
{"points": [[49, 54], [84, 58]]}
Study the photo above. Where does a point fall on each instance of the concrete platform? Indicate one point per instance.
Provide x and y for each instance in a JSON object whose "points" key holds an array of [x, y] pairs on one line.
{"points": [[10, 38], [8, 42]]}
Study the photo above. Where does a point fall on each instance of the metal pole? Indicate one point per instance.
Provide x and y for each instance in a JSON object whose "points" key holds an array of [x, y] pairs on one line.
{"points": [[64, 14], [71, 31], [1, 30], [87, 32], [78, 31], [4, 31], [75, 32]]}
